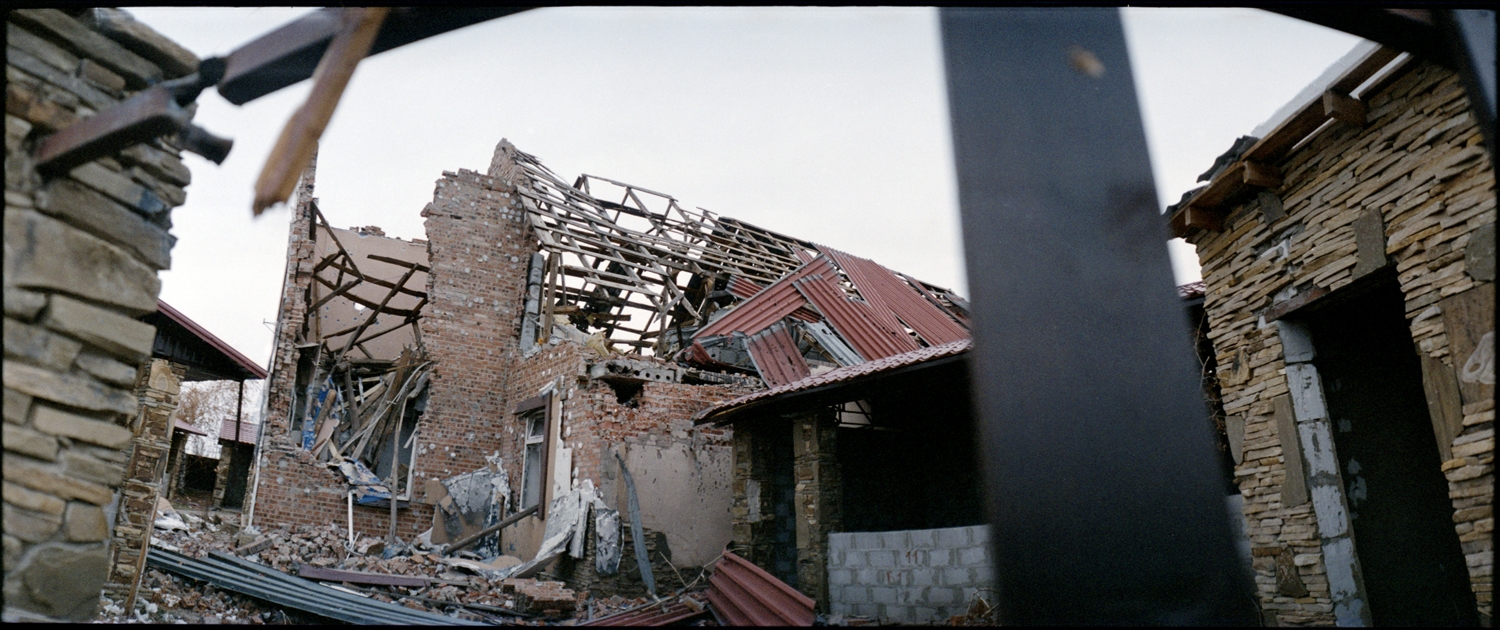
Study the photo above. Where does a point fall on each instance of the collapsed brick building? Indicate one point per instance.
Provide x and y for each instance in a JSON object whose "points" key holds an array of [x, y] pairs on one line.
{"points": [[1349, 262], [552, 342]]}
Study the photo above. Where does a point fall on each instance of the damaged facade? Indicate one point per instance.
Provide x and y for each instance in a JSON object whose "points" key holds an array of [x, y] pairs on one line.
{"points": [[1349, 263], [549, 344]]}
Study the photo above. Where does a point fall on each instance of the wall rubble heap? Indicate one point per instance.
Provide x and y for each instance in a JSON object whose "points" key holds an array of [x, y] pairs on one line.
{"points": [[82, 252]]}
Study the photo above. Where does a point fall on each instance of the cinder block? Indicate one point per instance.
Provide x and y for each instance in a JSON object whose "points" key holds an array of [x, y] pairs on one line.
{"points": [[923, 614], [980, 534], [940, 558], [955, 576], [952, 537], [853, 559], [883, 559], [973, 556], [856, 594], [840, 577], [883, 595], [911, 558], [894, 540], [869, 576], [984, 575], [922, 538], [840, 541], [866, 540], [899, 614], [921, 577], [840, 608], [938, 596]]}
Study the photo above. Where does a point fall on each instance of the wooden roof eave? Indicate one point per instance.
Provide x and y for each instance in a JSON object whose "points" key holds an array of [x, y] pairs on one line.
{"points": [[1255, 168]]}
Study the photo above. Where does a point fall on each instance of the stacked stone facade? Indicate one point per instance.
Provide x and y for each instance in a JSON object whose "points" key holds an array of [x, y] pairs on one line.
{"points": [[82, 252], [1412, 189]]}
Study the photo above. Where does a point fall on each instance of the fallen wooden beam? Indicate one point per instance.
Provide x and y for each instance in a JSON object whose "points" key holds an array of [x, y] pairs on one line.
{"points": [[358, 577]]}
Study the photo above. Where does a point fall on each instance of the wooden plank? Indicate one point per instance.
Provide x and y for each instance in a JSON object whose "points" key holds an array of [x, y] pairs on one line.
{"points": [[1344, 108], [299, 139], [1261, 175], [1194, 217], [379, 282], [366, 303], [400, 263]]}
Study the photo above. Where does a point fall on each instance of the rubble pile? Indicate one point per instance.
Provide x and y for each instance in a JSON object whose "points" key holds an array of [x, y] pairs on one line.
{"points": [[168, 599]]}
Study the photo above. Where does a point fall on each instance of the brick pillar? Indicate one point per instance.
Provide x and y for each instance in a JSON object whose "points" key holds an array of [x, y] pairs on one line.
{"points": [[818, 500], [157, 391], [82, 250]]}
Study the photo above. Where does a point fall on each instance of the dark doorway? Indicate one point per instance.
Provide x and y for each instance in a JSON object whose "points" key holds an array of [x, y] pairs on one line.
{"points": [[239, 471], [1409, 553]]}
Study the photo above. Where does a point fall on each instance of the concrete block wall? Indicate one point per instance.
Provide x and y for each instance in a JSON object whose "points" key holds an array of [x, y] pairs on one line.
{"points": [[912, 576], [82, 253], [1417, 174]]}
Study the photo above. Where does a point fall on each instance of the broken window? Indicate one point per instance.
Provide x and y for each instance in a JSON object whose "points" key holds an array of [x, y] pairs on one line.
{"points": [[533, 416]]}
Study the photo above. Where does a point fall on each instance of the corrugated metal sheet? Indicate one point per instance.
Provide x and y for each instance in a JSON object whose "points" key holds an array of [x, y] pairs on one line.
{"points": [[232, 573], [833, 344], [893, 297], [770, 305], [743, 594], [745, 288], [854, 321], [776, 357], [1192, 290], [653, 615], [247, 431], [839, 375]]}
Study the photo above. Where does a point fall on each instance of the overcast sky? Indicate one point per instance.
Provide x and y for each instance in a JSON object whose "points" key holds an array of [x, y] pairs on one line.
{"points": [[829, 124]]}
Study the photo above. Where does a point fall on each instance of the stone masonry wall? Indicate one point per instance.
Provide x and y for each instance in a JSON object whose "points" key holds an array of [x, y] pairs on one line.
{"points": [[914, 576], [160, 383], [82, 252], [1412, 188]]}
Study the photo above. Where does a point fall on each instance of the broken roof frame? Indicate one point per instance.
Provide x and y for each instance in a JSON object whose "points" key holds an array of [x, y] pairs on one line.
{"points": [[607, 262]]}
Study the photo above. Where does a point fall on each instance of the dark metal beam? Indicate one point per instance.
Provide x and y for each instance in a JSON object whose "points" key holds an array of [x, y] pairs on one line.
{"points": [[1104, 493], [291, 53], [1413, 31]]}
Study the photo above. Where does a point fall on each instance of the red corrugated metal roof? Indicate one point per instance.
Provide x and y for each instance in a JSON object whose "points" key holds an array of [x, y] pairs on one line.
{"points": [[893, 298], [776, 357], [210, 339], [247, 431], [839, 375], [743, 594], [854, 321], [768, 306], [745, 288]]}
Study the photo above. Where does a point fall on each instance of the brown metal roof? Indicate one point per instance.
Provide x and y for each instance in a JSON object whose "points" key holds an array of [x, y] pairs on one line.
{"points": [[856, 322], [893, 298], [743, 594], [178, 339], [188, 428], [836, 376], [776, 357]]}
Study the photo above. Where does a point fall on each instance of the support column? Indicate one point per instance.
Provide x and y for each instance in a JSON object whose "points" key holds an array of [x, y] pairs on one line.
{"points": [[1325, 483], [157, 389], [818, 501]]}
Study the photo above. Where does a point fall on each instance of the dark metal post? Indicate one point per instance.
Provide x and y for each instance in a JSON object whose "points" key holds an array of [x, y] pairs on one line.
{"points": [[1104, 493]]}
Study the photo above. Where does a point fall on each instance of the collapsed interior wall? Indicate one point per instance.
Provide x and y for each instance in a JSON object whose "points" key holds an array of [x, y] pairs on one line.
{"points": [[1403, 193]]}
